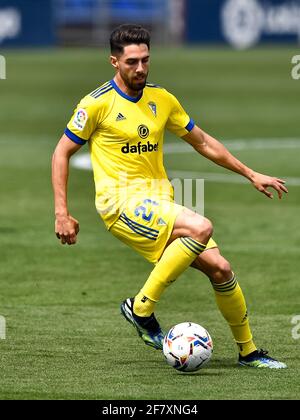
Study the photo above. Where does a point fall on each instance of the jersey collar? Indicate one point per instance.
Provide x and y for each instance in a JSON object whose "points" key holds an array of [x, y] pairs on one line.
{"points": [[120, 92]]}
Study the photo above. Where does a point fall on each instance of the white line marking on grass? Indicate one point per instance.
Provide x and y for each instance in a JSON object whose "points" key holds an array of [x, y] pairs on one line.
{"points": [[82, 161], [239, 144], [222, 178]]}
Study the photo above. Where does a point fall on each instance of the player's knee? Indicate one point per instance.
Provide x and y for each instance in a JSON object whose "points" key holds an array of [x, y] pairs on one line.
{"points": [[222, 271], [201, 229]]}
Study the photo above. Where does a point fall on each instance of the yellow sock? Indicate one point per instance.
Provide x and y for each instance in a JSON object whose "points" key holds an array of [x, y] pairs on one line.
{"points": [[231, 302], [177, 257], [143, 306]]}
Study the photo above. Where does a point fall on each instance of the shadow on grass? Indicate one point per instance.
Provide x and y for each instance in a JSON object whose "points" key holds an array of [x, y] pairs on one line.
{"points": [[213, 368]]}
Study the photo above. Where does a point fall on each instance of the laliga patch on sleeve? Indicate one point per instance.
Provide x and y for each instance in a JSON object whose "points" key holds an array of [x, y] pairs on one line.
{"points": [[80, 119]]}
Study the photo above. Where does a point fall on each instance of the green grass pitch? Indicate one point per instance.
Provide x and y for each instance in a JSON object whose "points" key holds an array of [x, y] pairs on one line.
{"points": [[65, 338]]}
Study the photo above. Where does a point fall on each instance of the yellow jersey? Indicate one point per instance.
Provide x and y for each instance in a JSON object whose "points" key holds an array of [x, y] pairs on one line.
{"points": [[125, 136]]}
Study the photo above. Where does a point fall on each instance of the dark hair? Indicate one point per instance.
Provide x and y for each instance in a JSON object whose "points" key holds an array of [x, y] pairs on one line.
{"points": [[126, 35]]}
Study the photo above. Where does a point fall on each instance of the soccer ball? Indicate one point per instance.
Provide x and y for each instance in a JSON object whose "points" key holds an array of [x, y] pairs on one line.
{"points": [[187, 347]]}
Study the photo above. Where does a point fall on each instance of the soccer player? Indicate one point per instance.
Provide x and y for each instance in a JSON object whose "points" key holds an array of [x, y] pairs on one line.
{"points": [[123, 122]]}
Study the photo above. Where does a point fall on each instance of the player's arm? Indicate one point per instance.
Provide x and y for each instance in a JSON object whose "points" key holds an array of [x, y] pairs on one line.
{"points": [[212, 149], [66, 227]]}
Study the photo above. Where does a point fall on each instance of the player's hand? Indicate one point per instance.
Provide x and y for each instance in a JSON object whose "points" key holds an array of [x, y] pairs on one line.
{"points": [[66, 229], [262, 182]]}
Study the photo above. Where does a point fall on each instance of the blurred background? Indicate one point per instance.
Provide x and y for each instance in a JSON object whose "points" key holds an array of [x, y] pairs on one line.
{"points": [[233, 65], [238, 23]]}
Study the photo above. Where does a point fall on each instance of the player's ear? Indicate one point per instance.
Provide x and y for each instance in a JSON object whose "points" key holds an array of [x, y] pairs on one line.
{"points": [[114, 62]]}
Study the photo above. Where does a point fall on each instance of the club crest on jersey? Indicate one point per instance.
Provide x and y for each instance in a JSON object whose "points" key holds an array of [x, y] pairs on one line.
{"points": [[143, 131], [80, 119], [153, 107]]}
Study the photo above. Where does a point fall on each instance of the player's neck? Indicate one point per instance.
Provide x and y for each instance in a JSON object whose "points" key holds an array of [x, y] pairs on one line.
{"points": [[121, 85]]}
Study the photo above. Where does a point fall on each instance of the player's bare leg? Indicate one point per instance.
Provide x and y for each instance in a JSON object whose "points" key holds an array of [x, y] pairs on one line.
{"points": [[190, 224], [214, 265]]}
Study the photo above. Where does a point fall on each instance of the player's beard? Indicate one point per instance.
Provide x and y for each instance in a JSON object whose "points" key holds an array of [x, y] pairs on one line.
{"points": [[134, 83]]}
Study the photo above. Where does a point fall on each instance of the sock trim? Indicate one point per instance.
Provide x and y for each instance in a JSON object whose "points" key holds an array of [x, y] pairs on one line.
{"points": [[194, 246], [227, 286]]}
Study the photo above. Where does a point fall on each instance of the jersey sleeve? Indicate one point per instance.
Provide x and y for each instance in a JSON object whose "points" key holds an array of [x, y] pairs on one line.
{"points": [[83, 123], [178, 122]]}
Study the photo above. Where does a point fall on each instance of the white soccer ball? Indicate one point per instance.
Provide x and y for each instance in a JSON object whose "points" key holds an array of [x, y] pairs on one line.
{"points": [[187, 347]]}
